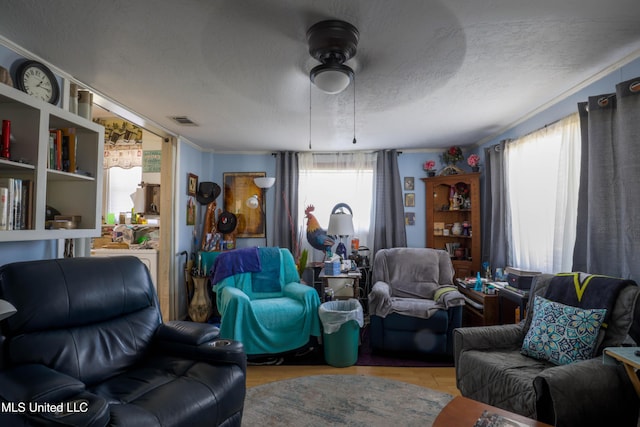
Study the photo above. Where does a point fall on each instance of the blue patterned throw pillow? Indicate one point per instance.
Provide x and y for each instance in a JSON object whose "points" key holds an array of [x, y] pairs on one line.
{"points": [[560, 333]]}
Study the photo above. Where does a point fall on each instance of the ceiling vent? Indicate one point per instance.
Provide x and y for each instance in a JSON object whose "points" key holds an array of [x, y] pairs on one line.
{"points": [[184, 121]]}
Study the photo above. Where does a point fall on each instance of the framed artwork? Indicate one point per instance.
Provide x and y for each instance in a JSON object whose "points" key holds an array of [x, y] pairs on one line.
{"points": [[238, 189], [192, 184], [410, 218], [409, 199], [409, 183], [191, 211]]}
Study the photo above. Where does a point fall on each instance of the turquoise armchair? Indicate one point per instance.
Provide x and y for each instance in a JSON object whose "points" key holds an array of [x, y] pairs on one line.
{"points": [[262, 302]]}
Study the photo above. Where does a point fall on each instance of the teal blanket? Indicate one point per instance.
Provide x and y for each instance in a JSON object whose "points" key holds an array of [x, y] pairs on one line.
{"points": [[269, 311]]}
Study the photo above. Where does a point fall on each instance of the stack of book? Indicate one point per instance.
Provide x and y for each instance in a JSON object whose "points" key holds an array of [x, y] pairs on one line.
{"points": [[63, 147], [16, 206]]}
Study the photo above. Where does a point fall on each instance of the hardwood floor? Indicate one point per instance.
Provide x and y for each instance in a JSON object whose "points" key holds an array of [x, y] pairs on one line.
{"points": [[441, 379]]}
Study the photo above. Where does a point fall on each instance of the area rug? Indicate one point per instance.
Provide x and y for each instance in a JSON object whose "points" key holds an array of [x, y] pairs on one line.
{"points": [[342, 400]]}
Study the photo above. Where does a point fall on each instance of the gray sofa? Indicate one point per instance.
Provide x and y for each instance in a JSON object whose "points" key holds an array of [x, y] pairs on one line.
{"points": [[491, 369]]}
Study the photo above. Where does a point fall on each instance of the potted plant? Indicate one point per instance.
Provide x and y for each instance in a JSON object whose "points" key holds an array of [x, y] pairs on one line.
{"points": [[474, 161], [429, 166]]}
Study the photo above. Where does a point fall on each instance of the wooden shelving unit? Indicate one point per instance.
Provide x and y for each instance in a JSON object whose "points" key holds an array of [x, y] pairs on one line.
{"points": [[455, 199]]}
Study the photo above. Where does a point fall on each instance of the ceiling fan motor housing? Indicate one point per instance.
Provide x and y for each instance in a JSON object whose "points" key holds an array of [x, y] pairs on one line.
{"points": [[332, 41]]}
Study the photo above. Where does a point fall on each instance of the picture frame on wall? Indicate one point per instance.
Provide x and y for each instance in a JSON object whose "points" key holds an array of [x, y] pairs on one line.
{"points": [[192, 185], [191, 211], [409, 200], [239, 187], [409, 183], [410, 218]]}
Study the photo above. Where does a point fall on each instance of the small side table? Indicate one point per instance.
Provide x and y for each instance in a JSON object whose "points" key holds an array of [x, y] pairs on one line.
{"points": [[341, 279], [631, 362]]}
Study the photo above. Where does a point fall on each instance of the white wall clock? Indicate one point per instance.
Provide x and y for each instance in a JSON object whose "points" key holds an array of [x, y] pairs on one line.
{"points": [[37, 80]]}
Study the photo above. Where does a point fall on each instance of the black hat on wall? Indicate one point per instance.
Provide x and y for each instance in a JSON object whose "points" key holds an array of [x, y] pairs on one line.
{"points": [[227, 222], [207, 192]]}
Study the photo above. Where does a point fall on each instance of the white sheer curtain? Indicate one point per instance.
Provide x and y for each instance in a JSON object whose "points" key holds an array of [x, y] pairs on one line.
{"points": [[543, 172], [326, 179]]}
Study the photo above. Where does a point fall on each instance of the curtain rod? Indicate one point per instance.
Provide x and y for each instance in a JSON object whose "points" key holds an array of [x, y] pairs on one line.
{"points": [[342, 152], [510, 140]]}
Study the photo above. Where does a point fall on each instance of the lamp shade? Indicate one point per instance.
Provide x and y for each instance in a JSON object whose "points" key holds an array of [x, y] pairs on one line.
{"points": [[6, 309], [264, 182], [253, 202], [331, 78], [340, 224]]}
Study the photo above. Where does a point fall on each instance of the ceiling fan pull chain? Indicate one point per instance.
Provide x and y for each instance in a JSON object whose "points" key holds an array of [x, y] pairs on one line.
{"points": [[354, 109], [309, 114]]}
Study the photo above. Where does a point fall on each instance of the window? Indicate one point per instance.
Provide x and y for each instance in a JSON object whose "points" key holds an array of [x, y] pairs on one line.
{"points": [[328, 179], [119, 184], [543, 172]]}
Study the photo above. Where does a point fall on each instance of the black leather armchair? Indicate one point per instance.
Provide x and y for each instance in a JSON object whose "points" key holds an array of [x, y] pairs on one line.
{"points": [[88, 347]]}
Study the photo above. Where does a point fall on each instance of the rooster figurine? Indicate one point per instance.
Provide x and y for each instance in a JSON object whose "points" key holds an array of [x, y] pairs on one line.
{"points": [[316, 236]]}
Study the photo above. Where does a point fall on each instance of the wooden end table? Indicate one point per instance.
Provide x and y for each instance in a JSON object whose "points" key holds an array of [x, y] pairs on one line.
{"points": [[462, 411]]}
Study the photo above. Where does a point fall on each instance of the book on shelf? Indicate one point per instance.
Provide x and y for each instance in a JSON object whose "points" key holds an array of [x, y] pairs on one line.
{"points": [[4, 208], [55, 149], [51, 160], [17, 204], [27, 205], [69, 148], [58, 149]]}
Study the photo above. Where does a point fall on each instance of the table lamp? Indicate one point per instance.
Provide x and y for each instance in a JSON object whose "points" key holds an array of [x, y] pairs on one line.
{"points": [[6, 309], [341, 225]]}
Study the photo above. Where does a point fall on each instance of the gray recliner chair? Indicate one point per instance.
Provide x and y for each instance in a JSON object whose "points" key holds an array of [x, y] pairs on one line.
{"points": [[414, 306], [490, 368]]}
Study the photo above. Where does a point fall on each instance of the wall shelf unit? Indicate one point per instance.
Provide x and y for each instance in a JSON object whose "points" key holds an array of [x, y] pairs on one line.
{"points": [[455, 199], [70, 193]]}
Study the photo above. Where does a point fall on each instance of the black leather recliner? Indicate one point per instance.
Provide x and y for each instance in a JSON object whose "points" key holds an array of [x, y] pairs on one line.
{"points": [[88, 347]]}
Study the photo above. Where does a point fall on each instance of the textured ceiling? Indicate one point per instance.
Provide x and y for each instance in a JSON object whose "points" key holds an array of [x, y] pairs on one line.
{"points": [[428, 73]]}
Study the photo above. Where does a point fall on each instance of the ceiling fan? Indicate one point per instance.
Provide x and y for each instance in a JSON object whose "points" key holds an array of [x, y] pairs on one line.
{"points": [[332, 42]]}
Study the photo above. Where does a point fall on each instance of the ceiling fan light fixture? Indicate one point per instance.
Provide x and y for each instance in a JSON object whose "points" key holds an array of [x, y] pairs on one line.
{"points": [[331, 78], [332, 42]]}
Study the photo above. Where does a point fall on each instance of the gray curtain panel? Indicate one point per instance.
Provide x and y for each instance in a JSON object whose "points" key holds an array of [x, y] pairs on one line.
{"points": [[495, 221], [608, 230], [285, 215], [389, 230]]}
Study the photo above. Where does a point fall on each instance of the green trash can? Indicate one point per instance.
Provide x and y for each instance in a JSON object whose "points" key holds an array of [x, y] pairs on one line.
{"points": [[341, 323]]}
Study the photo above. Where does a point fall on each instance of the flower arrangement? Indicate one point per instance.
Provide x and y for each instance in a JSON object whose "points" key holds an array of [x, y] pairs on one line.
{"points": [[453, 155], [473, 160], [429, 165]]}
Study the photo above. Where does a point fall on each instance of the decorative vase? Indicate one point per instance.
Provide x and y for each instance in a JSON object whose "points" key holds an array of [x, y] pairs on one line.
{"points": [[431, 173], [456, 230], [475, 168], [200, 305]]}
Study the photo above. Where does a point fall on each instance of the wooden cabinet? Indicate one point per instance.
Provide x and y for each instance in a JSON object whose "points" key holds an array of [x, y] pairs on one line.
{"points": [[70, 193], [453, 219]]}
